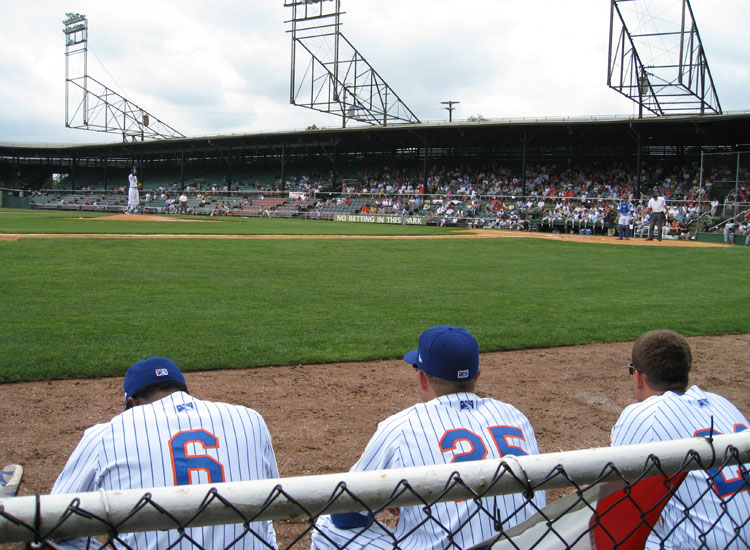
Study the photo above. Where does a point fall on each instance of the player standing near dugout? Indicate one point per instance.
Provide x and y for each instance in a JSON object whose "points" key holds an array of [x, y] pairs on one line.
{"points": [[452, 424], [134, 198], [625, 217], [165, 437], [705, 512]]}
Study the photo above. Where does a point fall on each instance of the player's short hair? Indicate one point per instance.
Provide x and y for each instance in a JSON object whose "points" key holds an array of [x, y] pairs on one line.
{"points": [[445, 387], [665, 358], [165, 385]]}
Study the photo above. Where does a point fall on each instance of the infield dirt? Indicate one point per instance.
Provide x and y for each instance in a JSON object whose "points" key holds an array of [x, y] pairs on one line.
{"points": [[321, 416]]}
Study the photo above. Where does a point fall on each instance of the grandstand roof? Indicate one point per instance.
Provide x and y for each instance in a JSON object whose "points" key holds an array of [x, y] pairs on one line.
{"points": [[726, 130]]}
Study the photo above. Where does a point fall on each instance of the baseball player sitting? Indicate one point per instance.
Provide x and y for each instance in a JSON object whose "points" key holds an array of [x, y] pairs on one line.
{"points": [[452, 424], [704, 512], [166, 437]]}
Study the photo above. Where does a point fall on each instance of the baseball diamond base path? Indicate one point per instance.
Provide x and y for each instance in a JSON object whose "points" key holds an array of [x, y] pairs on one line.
{"points": [[321, 416]]}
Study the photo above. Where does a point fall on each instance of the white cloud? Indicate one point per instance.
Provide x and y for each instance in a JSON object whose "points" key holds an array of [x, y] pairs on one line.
{"points": [[225, 68]]}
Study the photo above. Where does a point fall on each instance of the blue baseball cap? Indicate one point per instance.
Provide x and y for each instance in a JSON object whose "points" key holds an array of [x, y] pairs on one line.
{"points": [[147, 372], [446, 352]]}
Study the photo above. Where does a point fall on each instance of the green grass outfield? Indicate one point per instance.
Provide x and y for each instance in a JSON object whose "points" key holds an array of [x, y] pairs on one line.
{"points": [[76, 307], [43, 221]]}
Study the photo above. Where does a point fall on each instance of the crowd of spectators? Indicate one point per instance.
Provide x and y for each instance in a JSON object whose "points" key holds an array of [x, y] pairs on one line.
{"points": [[557, 197], [553, 196]]}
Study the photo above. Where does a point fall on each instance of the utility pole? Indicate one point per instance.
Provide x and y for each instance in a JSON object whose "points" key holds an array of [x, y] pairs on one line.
{"points": [[450, 107]]}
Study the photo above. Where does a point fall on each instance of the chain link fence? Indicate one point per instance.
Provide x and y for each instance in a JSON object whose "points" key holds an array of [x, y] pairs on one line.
{"points": [[599, 498]]}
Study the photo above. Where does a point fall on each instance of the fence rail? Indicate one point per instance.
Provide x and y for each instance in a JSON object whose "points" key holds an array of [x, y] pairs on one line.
{"points": [[112, 513]]}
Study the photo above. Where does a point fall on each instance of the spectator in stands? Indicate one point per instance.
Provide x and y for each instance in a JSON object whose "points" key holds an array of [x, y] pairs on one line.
{"points": [[706, 512], [715, 208], [683, 229]]}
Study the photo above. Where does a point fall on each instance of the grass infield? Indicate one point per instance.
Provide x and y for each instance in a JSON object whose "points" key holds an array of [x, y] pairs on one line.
{"points": [[91, 307]]}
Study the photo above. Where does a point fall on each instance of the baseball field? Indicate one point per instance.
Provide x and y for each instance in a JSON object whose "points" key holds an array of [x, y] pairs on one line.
{"points": [[306, 323]]}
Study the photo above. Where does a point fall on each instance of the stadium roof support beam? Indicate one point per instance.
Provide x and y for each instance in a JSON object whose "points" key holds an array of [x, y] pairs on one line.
{"points": [[659, 62], [328, 74], [90, 105]]}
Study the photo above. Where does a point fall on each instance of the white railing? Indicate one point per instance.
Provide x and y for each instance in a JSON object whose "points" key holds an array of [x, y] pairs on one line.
{"points": [[112, 513]]}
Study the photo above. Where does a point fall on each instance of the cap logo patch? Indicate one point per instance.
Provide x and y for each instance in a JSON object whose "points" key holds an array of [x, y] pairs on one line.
{"points": [[161, 372], [463, 374], [420, 358]]}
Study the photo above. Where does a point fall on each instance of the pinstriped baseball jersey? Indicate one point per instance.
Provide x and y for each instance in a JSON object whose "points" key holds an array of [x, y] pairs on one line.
{"points": [[678, 416], [178, 440], [450, 428]]}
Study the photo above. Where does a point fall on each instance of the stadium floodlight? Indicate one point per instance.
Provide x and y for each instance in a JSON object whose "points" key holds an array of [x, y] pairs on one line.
{"points": [[90, 105], [656, 58], [330, 75]]}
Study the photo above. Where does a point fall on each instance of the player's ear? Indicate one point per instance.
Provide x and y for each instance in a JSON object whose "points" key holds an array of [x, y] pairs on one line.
{"points": [[423, 382]]}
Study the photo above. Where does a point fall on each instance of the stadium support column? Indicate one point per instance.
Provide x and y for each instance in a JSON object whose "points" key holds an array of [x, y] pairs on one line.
{"points": [[638, 169], [105, 175], [73, 174], [424, 163], [525, 141], [334, 170], [283, 166], [636, 135], [182, 169]]}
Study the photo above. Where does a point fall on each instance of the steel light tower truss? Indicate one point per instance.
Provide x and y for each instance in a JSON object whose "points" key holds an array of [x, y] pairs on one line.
{"points": [[328, 73], [90, 105], [656, 58]]}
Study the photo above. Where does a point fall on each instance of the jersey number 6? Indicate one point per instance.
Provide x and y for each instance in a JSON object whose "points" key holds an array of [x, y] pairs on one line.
{"points": [[183, 463], [478, 451]]}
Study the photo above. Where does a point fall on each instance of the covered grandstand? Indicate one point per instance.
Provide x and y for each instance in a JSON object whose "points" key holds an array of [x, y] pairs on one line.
{"points": [[321, 173]]}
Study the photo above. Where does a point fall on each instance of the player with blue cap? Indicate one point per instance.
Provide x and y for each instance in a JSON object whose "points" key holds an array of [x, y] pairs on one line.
{"points": [[452, 424], [166, 437], [144, 374]]}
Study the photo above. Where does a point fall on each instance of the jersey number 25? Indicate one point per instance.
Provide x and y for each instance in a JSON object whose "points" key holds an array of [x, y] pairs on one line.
{"points": [[726, 487], [498, 434]]}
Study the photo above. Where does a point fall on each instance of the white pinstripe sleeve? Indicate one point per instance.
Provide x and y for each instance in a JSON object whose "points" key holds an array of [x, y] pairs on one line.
{"points": [[81, 471]]}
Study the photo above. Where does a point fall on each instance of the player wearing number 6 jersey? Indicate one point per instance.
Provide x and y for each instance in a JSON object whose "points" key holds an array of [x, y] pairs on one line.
{"points": [[452, 424], [164, 438], [705, 512]]}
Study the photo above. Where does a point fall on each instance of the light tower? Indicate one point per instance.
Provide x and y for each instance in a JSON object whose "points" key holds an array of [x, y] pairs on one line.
{"points": [[90, 105], [328, 74], [656, 58]]}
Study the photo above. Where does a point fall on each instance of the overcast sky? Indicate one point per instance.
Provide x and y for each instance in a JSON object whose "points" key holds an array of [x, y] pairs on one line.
{"points": [[224, 67]]}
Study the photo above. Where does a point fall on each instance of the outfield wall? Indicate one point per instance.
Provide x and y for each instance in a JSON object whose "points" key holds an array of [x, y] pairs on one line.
{"points": [[380, 218]]}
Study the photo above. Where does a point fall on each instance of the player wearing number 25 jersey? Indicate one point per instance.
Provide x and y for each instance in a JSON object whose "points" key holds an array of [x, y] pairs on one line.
{"points": [[452, 424], [705, 512], [166, 437]]}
